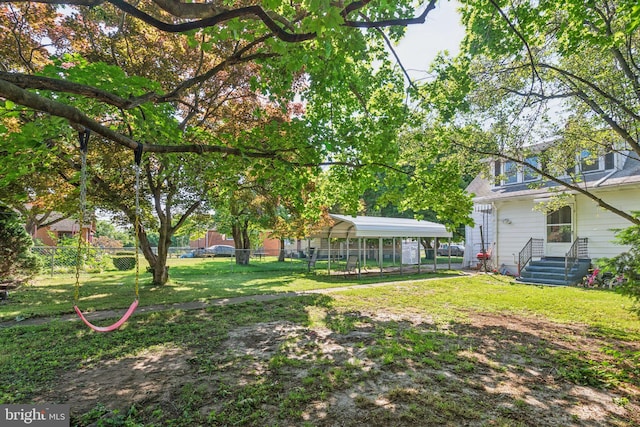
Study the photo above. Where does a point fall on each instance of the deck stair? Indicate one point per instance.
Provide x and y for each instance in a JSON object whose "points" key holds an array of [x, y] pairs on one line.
{"points": [[551, 271]]}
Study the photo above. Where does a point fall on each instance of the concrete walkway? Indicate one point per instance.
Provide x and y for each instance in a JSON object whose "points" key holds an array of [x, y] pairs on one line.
{"points": [[199, 305]]}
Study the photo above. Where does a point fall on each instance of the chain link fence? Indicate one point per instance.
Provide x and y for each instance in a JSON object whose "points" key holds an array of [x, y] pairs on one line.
{"points": [[64, 259]]}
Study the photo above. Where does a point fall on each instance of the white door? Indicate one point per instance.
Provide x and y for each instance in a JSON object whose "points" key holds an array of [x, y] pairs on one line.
{"points": [[560, 231]]}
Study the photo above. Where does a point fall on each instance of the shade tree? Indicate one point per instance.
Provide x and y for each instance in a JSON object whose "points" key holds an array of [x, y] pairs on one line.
{"points": [[527, 73], [286, 84], [281, 36]]}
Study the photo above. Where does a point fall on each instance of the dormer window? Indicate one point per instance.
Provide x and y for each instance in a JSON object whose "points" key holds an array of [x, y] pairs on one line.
{"points": [[528, 174], [588, 163], [509, 172], [609, 161]]}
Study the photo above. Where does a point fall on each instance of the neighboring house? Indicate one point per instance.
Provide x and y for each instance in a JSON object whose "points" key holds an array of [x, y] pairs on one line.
{"points": [[296, 248], [507, 212], [213, 237], [50, 234]]}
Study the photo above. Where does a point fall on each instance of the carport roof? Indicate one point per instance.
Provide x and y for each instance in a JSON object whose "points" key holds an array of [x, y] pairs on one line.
{"points": [[373, 227]]}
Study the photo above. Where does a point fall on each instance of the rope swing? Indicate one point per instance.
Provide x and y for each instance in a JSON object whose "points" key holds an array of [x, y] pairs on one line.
{"points": [[84, 145]]}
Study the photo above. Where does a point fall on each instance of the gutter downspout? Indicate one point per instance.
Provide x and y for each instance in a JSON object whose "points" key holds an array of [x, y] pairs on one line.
{"points": [[494, 248], [604, 178]]}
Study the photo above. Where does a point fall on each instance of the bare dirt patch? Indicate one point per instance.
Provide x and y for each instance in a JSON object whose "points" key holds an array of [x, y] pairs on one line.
{"points": [[118, 384], [380, 369]]}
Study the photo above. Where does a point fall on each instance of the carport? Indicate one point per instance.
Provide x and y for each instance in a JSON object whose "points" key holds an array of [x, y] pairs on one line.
{"points": [[366, 229]]}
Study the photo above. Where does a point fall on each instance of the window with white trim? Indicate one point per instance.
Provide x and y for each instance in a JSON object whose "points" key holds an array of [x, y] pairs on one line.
{"points": [[560, 225], [527, 173], [601, 163], [588, 163], [510, 172]]}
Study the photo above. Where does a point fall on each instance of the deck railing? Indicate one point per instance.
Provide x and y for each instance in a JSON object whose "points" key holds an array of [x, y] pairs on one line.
{"points": [[578, 250], [533, 248]]}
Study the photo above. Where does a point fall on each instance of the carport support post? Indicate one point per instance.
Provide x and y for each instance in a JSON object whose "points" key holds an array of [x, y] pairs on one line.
{"points": [[449, 240], [380, 254], [348, 244], [393, 251], [401, 248], [364, 251], [435, 255], [329, 254], [419, 256], [359, 257]]}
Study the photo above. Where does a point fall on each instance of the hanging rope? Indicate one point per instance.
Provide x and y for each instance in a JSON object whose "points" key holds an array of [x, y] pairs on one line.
{"points": [[84, 142], [138, 160], [84, 148]]}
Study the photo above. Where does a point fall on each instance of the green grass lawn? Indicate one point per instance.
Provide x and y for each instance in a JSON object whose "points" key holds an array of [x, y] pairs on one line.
{"points": [[452, 298], [445, 352], [206, 279], [191, 279]]}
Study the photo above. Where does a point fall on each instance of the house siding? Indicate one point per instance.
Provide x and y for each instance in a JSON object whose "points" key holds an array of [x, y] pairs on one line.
{"points": [[516, 223], [513, 222], [599, 225], [473, 239], [516, 220]]}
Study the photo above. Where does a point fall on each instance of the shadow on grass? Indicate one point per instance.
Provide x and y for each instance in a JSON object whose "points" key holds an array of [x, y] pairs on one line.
{"points": [[299, 360]]}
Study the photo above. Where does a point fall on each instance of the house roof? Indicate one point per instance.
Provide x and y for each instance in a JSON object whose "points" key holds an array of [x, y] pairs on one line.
{"points": [[67, 225], [375, 227], [628, 175]]}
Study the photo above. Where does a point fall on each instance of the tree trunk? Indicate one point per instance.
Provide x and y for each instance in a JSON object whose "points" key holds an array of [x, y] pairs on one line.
{"points": [[240, 233], [160, 272], [281, 254], [157, 263], [160, 269], [426, 245]]}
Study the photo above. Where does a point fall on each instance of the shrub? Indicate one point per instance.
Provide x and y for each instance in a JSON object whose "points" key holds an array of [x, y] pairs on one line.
{"points": [[91, 259], [16, 260], [124, 262], [627, 264]]}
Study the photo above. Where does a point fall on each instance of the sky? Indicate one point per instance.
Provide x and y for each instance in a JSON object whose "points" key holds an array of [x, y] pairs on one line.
{"points": [[441, 31]]}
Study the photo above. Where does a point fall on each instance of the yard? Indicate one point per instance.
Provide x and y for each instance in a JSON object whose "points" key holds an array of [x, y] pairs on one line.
{"points": [[433, 350]]}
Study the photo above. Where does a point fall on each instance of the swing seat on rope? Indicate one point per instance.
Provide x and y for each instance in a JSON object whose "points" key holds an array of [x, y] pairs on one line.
{"points": [[109, 328], [84, 140]]}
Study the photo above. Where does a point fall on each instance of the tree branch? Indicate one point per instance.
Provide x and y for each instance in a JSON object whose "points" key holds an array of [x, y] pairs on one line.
{"points": [[420, 19], [183, 218], [227, 15], [212, 16], [534, 72], [610, 121], [398, 61], [26, 81], [80, 120]]}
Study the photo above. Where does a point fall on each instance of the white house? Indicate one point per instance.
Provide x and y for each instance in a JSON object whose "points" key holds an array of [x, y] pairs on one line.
{"points": [[508, 214]]}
